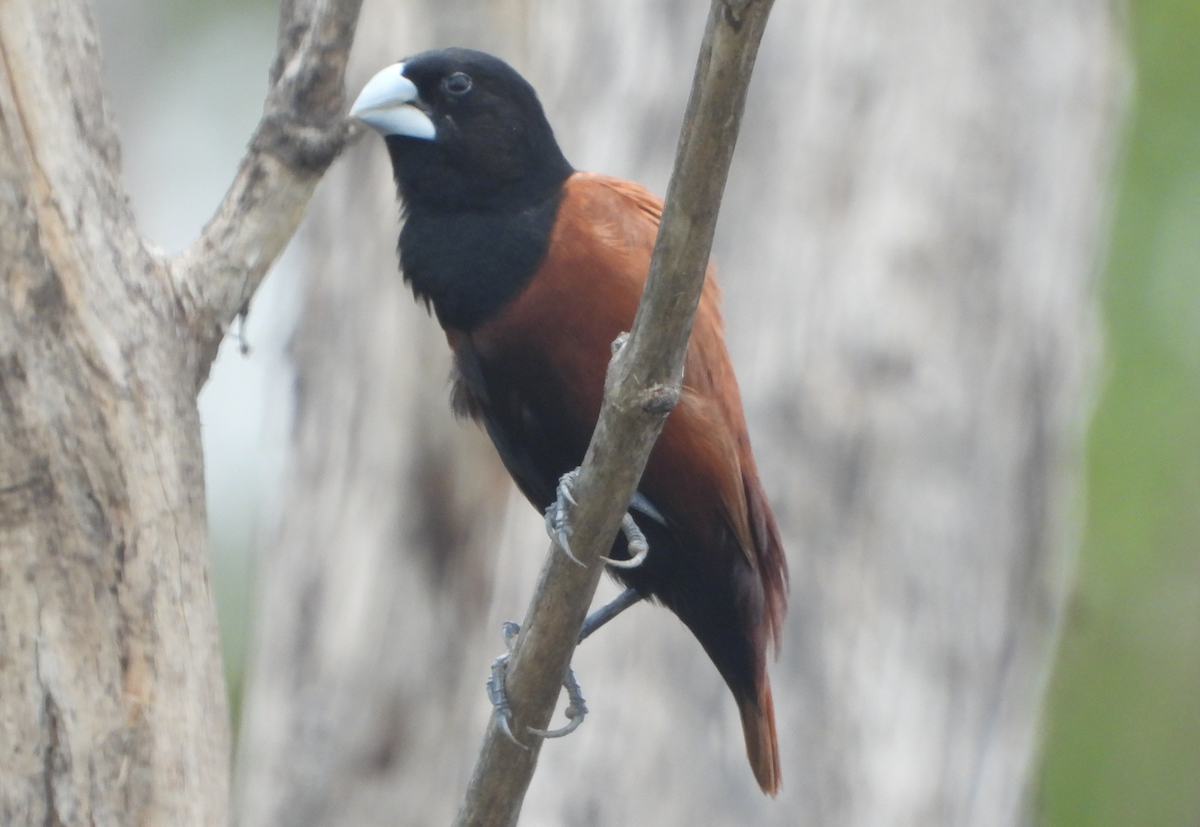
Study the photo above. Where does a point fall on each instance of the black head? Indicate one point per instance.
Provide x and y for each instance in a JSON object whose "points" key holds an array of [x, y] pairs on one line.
{"points": [[464, 131]]}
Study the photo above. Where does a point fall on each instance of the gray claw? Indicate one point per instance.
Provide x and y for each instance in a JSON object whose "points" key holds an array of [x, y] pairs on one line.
{"points": [[503, 724], [557, 525], [564, 485], [638, 547], [510, 630], [561, 539]]}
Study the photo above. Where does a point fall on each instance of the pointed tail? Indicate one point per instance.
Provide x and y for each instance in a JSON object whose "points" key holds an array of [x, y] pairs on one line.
{"points": [[762, 744]]}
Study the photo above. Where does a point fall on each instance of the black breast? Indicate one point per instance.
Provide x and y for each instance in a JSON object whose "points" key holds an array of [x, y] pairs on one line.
{"points": [[468, 264]]}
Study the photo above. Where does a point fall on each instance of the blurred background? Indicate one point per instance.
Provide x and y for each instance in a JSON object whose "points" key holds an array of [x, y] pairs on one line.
{"points": [[1122, 726], [1123, 736]]}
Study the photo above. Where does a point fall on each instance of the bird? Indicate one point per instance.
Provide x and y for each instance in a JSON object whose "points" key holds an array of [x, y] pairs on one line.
{"points": [[533, 269]]}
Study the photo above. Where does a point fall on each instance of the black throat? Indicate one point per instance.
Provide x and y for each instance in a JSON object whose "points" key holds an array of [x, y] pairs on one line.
{"points": [[473, 237], [470, 264]]}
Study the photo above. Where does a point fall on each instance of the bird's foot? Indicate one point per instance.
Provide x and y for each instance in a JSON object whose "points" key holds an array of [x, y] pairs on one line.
{"points": [[636, 540], [557, 524], [576, 705], [575, 711], [497, 694]]}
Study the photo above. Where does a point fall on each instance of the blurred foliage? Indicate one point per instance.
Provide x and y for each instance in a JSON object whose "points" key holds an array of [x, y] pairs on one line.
{"points": [[1123, 733]]}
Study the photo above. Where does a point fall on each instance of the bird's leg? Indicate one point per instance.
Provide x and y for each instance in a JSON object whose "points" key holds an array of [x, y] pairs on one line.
{"points": [[557, 525], [608, 611], [576, 705]]}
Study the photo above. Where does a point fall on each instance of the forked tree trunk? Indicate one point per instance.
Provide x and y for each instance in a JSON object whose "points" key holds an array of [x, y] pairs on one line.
{"points": [[110, 677], [112, 703], [908, 247]]}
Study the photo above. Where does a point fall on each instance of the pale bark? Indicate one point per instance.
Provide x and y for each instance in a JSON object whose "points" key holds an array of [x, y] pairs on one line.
{"points": [[112, 703], [908, 247]]}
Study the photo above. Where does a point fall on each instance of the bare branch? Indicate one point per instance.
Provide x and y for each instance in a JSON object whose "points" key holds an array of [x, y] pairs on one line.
{"points": [[302, 130], [642, 386]]}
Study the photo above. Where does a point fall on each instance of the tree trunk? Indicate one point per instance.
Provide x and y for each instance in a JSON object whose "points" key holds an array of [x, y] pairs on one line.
{"points": [[112, 703], [908, 248]]}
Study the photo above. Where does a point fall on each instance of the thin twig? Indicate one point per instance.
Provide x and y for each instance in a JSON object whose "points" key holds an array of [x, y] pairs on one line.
{"points": [[642, 387], [301, 131]]}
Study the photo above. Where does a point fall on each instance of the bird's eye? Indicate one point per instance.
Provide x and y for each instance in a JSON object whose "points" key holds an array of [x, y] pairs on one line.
{"points": [[457, 84]]}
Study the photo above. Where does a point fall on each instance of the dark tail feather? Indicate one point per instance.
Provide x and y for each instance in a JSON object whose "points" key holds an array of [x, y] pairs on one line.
{"points": [[762, 744]]}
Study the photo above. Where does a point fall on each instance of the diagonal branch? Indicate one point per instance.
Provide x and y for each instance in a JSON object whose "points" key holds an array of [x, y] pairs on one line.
{"points": [[301, 131], [642, 387]]}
